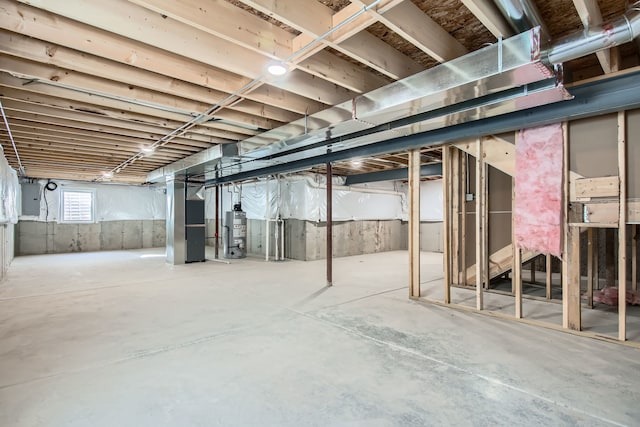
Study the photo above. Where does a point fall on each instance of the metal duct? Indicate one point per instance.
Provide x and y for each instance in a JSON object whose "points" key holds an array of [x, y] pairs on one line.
{"points": [[522, 15], [596, 37], [506, 76]]}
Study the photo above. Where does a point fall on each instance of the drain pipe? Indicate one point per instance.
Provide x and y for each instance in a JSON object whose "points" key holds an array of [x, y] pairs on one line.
{"points": [[597, 37]]}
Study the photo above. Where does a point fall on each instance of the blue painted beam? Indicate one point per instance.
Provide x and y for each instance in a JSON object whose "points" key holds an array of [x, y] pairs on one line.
{"points": [[392, 174]]}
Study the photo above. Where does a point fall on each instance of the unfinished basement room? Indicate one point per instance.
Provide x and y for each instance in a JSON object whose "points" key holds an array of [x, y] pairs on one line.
{"points": [[319, 213]]}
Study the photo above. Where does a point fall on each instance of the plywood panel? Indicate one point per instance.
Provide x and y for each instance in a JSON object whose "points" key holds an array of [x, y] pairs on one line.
{"points": [[633, 154], [593, 146]]}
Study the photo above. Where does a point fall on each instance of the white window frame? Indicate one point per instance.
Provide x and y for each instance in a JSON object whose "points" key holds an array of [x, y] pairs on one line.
{"points": [[62, 219]]}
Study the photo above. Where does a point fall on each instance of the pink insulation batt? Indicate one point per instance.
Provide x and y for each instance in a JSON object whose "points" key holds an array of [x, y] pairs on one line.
{"points": [[538, 189]]}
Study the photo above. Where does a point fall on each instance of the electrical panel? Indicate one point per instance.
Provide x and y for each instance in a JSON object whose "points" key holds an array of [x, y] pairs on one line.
{"points": [[31, 194]]}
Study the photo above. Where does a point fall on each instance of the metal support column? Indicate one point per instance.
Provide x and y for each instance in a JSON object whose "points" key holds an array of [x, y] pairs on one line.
{"points": [[329, 225], [216, 237]]}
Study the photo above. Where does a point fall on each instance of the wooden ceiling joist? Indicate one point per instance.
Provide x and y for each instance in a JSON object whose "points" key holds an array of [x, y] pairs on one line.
{"points": [[91, 83]]}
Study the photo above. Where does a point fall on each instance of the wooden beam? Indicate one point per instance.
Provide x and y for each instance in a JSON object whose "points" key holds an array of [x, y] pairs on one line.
{"points": [[36, 120], [122, 18], [516, 276], [455, 185], [65, 99], [590, 15], [607, 186], [113, 141], [590, 273], [565, 225], [350, 39], [380, 56], [463, 219], [634, 257], [490, 16], [228, 22], [622, 230], [573, 285], [408, 21], [447, 234], [414, 223], [81, 86], [480, 221]]}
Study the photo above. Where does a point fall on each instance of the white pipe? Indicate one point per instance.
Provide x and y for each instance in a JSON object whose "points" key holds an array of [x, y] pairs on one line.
{"points": [[281, 220], [268, 223], [15, 149], [282, 240], [277, 233]]}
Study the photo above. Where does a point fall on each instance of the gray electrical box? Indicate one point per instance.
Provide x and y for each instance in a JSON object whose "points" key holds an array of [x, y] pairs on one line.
{"points": [[31, 194]]}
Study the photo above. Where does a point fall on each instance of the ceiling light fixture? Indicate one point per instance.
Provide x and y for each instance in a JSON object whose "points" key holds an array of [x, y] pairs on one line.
{"points": [[277, 69], [148, 149], [356, 163], [107, 175]]}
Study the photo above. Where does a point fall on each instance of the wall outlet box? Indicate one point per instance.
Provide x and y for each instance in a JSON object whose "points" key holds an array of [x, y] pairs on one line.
{"points": [[469, 197]]}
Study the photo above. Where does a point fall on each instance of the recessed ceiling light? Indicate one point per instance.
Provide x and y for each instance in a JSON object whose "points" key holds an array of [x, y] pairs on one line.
{"points": [[107, 174], [277, 69], [148, 149], [356, 163]]}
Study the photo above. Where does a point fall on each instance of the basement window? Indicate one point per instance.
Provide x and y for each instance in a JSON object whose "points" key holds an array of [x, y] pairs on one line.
{"points": [[77, 205]]}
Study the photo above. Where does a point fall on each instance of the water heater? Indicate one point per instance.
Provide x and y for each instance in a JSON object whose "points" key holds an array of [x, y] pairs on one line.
{"points": [[235, 228]]}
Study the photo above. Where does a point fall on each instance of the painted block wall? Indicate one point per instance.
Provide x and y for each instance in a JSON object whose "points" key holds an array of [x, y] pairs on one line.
{"points": [[37, 237]]}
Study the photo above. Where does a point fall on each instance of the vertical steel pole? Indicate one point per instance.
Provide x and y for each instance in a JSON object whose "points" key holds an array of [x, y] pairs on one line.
{"points": [[329, 225], [216, 235]]}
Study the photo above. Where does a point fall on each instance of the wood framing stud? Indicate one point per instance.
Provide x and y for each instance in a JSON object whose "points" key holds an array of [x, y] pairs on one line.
{"points": [[414, 224], [590, 275], [565, 223], [634, 257], [480, 229], [447, 235], [516, 264], [622, 230]]}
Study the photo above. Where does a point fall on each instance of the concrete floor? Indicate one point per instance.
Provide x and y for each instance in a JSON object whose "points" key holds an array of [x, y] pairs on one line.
{"points": [[122, 339]]}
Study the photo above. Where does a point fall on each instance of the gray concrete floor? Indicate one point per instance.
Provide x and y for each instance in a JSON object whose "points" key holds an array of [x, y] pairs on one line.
{"points": [[122, 339]]}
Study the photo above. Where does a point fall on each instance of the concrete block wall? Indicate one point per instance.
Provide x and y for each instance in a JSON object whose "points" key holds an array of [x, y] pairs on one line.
{"points": [[256, 230], [7, 234], [306, 240], [353, 238], [37, 237]]}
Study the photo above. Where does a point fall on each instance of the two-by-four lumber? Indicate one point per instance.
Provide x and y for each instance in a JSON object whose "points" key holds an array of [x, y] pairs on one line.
{"points": [[457, 261], [463, 218], [414, 223], [446, 190], [590, 264], [480, 225], [622, 230], [634, 257], [516, 276]]}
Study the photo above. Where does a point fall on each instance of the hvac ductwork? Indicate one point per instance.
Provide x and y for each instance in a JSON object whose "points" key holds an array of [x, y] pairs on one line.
{"points": [[511, 75], [598, 37], [523, 15]]}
